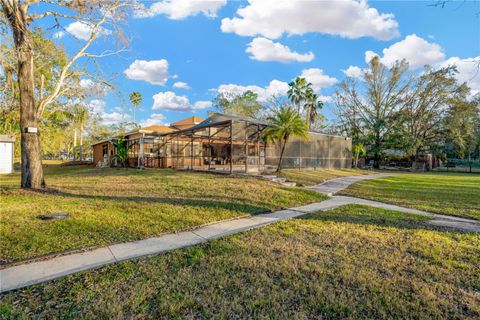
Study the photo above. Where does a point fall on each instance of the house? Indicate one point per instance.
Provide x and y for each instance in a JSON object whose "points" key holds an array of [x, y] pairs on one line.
{"points": [[6, 153], [224, 143]]}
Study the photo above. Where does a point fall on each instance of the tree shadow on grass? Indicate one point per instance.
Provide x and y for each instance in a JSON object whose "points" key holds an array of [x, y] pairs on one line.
{"points": [[228, 203], [370, 216]]}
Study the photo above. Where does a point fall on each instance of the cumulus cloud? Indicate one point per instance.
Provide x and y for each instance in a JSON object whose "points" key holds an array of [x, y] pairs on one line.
{"points": [[113, 118], [273, 89], [154, 119], [153, 71], [180, 9], [181, 85], [468, 71], [202, 105], [415, 50], [353, 72], [97, 106], [168, 100], [318, 79], [277, 88], [95, 88], [349, 19], [263, 49], [81, 30]]}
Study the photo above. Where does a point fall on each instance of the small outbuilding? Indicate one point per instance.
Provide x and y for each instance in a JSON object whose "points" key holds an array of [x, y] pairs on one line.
{"points": [[6, 153]]}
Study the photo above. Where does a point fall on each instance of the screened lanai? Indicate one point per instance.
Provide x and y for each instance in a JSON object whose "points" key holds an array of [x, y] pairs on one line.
{"points": [[221, 143]]}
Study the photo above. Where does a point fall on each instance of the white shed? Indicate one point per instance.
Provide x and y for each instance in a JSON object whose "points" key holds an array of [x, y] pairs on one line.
{"points": [[6, 153]]}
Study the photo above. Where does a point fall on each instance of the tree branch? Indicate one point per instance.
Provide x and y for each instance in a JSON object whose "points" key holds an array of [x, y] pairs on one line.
{"points": [[57, 90]]}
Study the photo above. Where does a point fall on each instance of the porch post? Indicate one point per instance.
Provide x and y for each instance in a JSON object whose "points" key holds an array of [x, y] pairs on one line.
{"points": [[231, 146], [209, 148], [192, 158], [141, 155], [246, 148]]}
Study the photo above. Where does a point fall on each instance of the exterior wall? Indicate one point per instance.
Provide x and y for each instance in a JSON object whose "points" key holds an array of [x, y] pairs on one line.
{"points": [[98, 151], [320, 151], [6, 157]]}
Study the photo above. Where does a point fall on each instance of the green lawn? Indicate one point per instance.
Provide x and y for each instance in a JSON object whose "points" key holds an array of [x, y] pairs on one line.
{"points": [[114, 205], [456, 194], [311, 177], [353, 262]]}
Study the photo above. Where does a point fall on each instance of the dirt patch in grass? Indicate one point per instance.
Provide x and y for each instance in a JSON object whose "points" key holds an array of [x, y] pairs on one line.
{"points": [[456, 194], [353, 262], [107, 206]]}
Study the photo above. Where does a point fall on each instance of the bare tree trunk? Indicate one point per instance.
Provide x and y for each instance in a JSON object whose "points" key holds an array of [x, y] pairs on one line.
{"points": [[281, 156], [75, 144], [32, 171], [81, 143]]}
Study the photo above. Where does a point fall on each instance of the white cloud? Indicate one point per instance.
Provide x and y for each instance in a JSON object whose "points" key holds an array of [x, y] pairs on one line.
{"points": [[277, 88], [154, 71], [168, 100], [349, 19], [97, 106], [95, 88], [353, 72], [203, 104], [274, 88], [113, 118], [318, 79], [415, 50], [468, 71], [326, 99], [180, 9], [263, 49], [81, 30], [181, 85], [154, 119]]}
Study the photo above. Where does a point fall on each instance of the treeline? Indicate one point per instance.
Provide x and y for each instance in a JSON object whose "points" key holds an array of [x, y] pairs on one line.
{"points": [[415, 112]]}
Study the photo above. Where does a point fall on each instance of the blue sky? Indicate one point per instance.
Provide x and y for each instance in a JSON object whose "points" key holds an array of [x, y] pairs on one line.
{"points": [[204, 46]]}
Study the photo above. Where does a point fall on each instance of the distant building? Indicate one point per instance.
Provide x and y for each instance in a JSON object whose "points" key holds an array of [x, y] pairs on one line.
{"points": [[6, 154], [223, 143]]}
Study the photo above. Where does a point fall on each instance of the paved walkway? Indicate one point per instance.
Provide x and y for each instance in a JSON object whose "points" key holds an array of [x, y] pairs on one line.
{"points": [[333, 186], [36, 272]]}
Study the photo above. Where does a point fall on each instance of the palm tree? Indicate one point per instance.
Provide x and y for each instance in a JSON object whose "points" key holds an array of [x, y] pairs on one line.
{"points": [[312, 106], [135, 99], [80, 118], [284, 124], [297, 91]]}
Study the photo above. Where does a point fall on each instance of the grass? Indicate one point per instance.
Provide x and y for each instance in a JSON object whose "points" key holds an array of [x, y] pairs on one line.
{"points": [[311, 177], [353, 262], [456, 194], [107, 206]]}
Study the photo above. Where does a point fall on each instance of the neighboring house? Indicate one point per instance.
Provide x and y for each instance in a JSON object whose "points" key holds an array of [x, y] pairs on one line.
{"points": [[226, 144], [6, 153]]}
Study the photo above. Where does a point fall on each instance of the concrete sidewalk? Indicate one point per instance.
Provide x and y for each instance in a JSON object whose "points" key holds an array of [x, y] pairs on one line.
{"points": [[333, 186], [36, 272], [16, 277]]}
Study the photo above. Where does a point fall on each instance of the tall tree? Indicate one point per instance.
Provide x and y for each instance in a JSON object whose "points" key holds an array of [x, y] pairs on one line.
{"points": [[297, 92], [374, 105], [425, 106], [18, 17], [285, 124], [243, 105], [462, 127], [312, 107], [80, 118], [135, 99]]}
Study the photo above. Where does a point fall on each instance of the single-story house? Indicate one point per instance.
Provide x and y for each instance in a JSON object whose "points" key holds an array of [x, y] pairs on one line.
{"points": [[224, 143], [6, 153]]}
